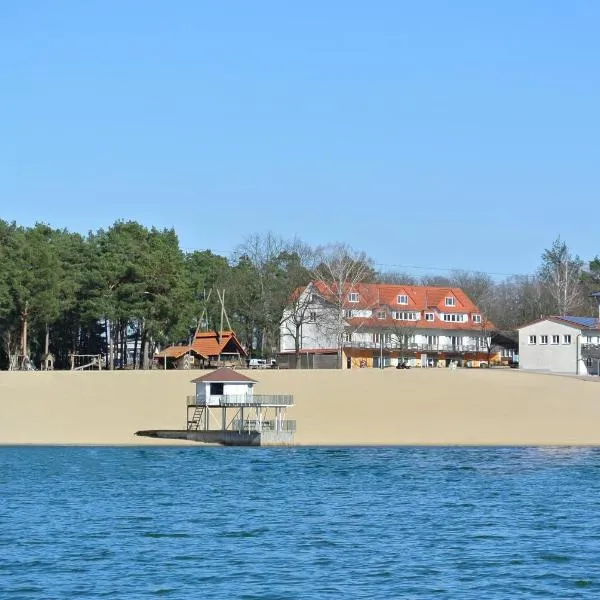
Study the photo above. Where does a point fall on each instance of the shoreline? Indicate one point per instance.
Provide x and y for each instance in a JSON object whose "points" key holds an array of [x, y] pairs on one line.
{"points": [[356, 408]]}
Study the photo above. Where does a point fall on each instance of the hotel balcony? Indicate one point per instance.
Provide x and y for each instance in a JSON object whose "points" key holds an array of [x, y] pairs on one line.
{"points": [[421, 348]]}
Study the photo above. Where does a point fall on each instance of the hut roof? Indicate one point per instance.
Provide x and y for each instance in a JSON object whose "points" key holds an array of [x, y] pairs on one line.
{"points": [[179, 351], [211, 343], [224, 375]]}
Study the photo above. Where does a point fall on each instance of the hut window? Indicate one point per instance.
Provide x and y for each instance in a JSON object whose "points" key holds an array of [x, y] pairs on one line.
{"points": [[216, 389]]}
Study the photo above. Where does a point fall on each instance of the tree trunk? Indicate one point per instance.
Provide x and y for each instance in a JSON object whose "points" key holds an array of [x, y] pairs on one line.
{"points": [[24, 332], [136, 364], [144, 345], [123, 336], [297, 345], [110, 364], [47, 341], [146, 352]]}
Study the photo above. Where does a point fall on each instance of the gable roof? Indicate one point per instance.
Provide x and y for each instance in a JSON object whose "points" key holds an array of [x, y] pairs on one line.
{"points": [[587, 323], [420, 297], [209, 343], [224, 375], [178, 351]]}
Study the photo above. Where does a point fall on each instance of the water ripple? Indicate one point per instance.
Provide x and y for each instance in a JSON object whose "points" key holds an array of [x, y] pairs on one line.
{"points": [[310, 523]]}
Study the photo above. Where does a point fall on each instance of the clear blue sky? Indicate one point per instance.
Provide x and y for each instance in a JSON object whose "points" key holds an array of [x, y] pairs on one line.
{"points": [[434, 133]]}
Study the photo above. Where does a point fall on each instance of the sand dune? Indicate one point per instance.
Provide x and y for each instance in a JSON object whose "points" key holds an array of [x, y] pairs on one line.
{"points": [[356, 407]]}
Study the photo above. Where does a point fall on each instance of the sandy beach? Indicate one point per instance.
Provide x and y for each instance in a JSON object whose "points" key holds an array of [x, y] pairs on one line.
{"points": [[357, 407]]}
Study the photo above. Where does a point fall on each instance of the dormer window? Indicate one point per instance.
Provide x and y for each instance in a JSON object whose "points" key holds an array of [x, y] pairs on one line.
{"points": [[381, 314], [402, 299], [353, 297], [450, 301], [476, 318], [429, 316]]}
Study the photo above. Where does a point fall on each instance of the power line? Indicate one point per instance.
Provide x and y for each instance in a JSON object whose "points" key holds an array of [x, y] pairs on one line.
{"points": [[388, 266], [461, 269]]}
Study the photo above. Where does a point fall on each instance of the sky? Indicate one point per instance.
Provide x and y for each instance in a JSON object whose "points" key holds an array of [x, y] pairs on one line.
{"points": [[431, 135]]}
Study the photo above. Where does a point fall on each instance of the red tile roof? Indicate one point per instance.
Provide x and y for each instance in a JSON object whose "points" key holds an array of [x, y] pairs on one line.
{"points": [[224, 375], [421, 299], [178, 352], [207, 343]]}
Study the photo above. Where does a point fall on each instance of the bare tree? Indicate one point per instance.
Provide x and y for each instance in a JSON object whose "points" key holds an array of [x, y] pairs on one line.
{"points": [[339, 272], [561, 272], [396, 278], [277, 268], [436, 281], [476, 285], [402, 335]]}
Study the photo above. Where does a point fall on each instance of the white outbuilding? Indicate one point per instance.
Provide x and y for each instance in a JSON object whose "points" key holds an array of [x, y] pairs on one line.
{"points": [[561, 345]]}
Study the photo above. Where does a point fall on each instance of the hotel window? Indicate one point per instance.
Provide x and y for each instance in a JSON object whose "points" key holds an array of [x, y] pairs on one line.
{"points": [[348, 336], [353, 297], [312, 316], [566, 339], [532, 339], [381, 314], [543, 339], [454, 318], [429, 316], [476, 318], [404, 316], [381, 338], [450, 301], [556, 339], [403, 299], [347, 313]]}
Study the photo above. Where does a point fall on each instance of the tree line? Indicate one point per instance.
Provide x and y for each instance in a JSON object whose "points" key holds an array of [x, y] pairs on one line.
{"points": [[65, 294]]}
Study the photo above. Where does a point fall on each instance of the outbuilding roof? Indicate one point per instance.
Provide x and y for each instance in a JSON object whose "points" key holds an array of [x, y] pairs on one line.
{"points": [[224, 375], [588, 323]]}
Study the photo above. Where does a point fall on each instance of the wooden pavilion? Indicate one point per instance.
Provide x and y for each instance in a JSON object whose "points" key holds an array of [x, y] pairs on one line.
{"points": [[208, 349]]}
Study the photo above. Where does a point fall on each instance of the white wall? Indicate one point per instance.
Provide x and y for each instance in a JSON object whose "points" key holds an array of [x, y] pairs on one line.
{"points": [[558, 358], [314, 334], [229, 389]]}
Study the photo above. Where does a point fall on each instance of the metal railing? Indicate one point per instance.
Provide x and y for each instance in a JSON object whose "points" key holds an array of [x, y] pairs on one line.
{"points": [[417, 347], [242, 400], [288, 425]]}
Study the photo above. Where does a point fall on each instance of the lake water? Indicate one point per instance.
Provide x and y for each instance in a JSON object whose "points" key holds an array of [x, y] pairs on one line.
{"points": [[257, 523]]}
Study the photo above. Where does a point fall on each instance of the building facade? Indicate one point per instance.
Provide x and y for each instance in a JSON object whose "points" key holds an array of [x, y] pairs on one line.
{"points": [[561, 345], [376, 325]]}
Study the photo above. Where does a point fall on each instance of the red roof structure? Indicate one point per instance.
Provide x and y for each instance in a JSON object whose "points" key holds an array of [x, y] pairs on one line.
{"points": [[211, 343], [208, 345], [384, 298], [178, 351]]}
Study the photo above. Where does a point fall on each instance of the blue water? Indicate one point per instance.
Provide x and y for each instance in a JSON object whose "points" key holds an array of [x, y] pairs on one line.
{"points": [[304, 523]]}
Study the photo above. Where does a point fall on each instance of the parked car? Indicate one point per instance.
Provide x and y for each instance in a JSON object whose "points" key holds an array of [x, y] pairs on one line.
{"points": [[403, 365], [262, 363]]}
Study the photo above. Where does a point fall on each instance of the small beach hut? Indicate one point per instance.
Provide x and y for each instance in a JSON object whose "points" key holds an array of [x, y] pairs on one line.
{"points": [[224, 382]]}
